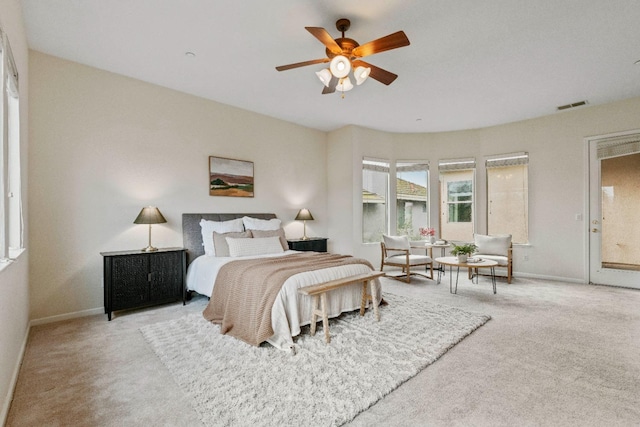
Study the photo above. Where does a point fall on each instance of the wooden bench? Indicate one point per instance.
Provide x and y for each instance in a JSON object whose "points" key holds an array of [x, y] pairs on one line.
{"points": [[319, 293]]}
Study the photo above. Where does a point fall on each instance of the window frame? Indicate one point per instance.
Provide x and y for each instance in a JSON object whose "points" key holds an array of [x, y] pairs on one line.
{"points": [[376, 165], [502, 161], [450, 166], [402, 166], [11, 215]]}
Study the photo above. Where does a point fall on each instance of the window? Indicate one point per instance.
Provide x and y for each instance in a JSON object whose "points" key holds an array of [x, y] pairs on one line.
{"points": [[460, 200], [412, 201], [11, 222], [457, 199], [375, 191], [507, 196]]}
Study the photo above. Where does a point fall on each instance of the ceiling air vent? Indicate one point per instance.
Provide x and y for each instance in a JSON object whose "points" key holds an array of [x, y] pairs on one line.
{"points": [[574, 105]]}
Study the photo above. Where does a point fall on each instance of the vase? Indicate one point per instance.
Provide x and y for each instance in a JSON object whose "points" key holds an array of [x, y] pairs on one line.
{"points": [[462, 258], [432, 239]]}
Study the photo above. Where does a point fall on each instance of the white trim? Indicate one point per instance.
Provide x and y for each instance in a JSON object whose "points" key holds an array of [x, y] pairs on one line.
{"points": [[14, 378], [517, 275], [587, 198], [67, 316]]}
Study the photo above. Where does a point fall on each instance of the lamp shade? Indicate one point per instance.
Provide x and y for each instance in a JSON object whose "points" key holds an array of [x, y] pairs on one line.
{"points": [[150, 215], [325, 76], [340, 66], [304, 215], [361, 74], [345, 85]]}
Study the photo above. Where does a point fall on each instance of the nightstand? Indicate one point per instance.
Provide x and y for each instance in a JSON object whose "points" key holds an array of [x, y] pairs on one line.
{"points": [[316, 244], [134, 279]]}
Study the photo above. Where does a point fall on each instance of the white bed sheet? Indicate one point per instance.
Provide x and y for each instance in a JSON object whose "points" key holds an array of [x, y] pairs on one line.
{"points": [[290, 310]]}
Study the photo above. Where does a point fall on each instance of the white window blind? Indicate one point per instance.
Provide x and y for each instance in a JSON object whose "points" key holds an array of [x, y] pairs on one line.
{"points": [[502, 160], [618, 146], [456, 164]]}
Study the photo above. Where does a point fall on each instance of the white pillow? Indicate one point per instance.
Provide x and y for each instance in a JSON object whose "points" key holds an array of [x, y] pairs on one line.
{"points": [[255, 246], [261, 224], [396, 242], [493, 245], [208, 227]]}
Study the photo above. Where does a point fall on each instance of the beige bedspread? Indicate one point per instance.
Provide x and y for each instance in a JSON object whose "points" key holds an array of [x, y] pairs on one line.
{"points": [[245, 291]]}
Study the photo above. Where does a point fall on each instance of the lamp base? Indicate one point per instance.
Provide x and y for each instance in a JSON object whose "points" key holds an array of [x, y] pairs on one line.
{"points": [[149, 249], [304, 238]]}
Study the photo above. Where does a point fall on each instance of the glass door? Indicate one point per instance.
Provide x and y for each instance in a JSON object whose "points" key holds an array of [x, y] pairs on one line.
{"points": [[614, 204]]}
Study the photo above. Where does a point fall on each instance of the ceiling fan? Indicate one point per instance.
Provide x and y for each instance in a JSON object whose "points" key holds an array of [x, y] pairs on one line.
{"points": [[344, 55]]}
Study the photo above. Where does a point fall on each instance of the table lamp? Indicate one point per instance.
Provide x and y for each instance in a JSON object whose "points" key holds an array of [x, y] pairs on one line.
{"points": [[150, 215], [304, 215]]}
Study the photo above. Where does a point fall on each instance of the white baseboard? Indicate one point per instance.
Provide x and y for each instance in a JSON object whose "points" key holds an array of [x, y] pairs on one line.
{"points": [[66, 316], [544, 277], [14, 379]]}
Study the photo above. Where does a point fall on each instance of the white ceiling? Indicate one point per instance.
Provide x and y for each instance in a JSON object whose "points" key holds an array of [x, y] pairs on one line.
{"points": [[470, 63]]}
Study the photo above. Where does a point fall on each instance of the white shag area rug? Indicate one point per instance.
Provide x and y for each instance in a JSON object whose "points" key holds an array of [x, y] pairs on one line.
{"points": [[232, 383]]}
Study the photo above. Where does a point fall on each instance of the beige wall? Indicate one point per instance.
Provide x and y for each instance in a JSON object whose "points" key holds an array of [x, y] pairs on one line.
{"points": [[557, 177], [14, 284], [104, 146]]}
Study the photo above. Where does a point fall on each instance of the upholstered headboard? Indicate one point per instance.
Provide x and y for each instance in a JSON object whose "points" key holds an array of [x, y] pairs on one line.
{"points": [[192, 236]]}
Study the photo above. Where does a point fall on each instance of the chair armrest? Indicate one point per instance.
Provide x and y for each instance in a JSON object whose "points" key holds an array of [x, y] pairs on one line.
{"points": [[399, 250]]}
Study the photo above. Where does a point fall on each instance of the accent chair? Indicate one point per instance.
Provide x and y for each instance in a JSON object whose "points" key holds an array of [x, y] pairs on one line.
{"points": [[396, 252], [497, 248]]}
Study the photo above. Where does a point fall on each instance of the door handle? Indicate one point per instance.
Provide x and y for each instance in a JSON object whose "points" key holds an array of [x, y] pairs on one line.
{"points": [[595, 230]]}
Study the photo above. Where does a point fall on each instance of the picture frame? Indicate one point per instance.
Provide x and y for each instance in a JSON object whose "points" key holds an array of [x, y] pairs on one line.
{"points": [[230, 177]]}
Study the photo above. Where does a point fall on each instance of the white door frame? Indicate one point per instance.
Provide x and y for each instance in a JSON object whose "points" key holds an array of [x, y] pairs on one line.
{"points": [[587, 209]]}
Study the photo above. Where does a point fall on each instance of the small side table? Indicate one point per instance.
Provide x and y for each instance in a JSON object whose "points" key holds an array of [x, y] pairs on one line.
{"points": [[428, 247], [314, 244]]}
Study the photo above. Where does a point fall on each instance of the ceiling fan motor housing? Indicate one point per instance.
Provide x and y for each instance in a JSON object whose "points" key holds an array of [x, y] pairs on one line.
{"points": [[347, 45]]}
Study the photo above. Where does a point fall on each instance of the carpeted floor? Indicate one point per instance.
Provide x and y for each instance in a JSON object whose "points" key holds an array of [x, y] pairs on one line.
{"points": [[553, 354], [230, 382]]}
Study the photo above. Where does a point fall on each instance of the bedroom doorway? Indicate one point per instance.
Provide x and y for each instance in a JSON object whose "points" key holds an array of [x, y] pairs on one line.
{"points": [[614, 210]]}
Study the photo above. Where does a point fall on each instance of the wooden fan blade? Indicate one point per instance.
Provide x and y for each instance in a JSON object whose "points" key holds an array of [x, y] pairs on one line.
{"points": [[302, 64], [392, 41], [383, 76], [325, 38], [332, 86]]}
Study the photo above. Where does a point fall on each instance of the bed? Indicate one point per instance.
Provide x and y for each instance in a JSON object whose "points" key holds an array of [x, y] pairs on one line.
{"points": [[290, 310]]}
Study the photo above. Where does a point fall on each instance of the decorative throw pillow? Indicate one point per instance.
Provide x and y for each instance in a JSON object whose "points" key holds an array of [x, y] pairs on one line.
{"points": [[497, 244], [220, 241], [255, 246], [270, 233], [261, 224], [208, 227]]}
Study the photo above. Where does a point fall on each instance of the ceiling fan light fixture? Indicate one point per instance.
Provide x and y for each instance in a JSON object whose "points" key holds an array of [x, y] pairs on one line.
{"points": [[325, 76], [344, 85], [340, 66], [361, 74]]}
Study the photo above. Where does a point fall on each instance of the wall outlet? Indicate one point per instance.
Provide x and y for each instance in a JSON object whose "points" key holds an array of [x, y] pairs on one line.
{"points": [[525, 257]]}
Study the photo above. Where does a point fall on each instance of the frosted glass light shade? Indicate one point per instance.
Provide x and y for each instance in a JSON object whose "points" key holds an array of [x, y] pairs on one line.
{"points": [[340, 66], [361, 74], [324, 76], [344, 85]]}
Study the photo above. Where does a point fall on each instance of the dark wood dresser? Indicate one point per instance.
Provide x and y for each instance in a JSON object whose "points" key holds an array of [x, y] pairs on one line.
{"points": [[134, 279], [315, 244]]}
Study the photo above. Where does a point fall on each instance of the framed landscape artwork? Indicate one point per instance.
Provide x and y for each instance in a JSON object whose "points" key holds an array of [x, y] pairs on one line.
{"points": [[228, 177]]}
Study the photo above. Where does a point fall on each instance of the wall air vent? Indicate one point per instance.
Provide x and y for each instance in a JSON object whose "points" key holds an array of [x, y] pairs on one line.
{"points": [[574, 105]]}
